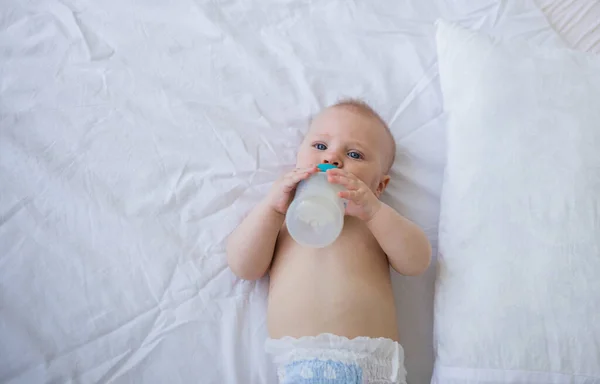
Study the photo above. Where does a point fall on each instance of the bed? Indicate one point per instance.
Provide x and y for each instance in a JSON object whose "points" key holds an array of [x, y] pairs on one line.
{"points": [[134, 136], [577, 21]]}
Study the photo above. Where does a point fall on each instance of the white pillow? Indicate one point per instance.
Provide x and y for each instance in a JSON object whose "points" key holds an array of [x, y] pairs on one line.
{"points": [[518, 289]]}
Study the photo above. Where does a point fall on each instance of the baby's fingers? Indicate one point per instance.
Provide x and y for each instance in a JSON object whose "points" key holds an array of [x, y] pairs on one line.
{"points": [[310, 170], [293, 178], [336, 171], [351, 195], [344, 180]]}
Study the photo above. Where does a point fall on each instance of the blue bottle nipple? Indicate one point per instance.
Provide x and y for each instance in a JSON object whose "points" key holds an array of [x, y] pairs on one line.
{"points": [[324, 167]]}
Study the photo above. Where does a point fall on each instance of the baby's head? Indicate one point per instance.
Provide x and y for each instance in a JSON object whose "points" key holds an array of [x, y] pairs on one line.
{"points": [[351, 135]]}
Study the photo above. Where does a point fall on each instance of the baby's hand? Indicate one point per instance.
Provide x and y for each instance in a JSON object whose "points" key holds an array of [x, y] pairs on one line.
{"points": [[362, 202], [280, 196]]}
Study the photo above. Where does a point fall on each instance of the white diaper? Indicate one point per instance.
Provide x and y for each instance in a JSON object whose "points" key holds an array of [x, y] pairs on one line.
{"points": [[331, 359]]}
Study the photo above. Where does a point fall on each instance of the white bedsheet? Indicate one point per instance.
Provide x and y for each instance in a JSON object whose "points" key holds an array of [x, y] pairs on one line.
{"points": [[135, 135]]}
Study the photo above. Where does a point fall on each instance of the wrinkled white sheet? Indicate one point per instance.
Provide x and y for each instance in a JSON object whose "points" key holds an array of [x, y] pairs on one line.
{"points": [[577, 21], [135, 135]]}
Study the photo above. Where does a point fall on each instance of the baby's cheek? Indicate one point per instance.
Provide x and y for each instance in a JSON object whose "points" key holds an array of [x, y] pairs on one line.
{"points": [[374, 187], [304, 159], [305, 163], [370, 183]]}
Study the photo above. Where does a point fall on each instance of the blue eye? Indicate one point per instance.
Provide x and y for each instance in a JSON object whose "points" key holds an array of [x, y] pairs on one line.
{"points": [[355, 155], [320, 146]]}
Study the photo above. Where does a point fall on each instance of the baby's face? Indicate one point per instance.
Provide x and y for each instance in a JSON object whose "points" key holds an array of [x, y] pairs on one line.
{"points": [[351, 140]]}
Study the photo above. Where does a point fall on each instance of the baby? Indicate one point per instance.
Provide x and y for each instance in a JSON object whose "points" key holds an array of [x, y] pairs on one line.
{"points": [[331, 315]]}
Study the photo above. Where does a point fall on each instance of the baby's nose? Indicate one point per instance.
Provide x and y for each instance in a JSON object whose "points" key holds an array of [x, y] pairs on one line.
{"points": [[333, 160]]}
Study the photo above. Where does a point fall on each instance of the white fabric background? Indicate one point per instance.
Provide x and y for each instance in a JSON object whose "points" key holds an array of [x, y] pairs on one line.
{"points": [[135, 135], [577, 21]]}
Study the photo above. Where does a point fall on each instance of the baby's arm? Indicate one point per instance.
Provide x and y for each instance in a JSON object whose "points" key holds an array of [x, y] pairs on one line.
{"points": [[250, 247], [404, 243]]}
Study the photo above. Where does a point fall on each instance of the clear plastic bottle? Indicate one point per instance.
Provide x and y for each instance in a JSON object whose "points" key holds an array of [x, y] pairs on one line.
{"points": [[316, 215]]}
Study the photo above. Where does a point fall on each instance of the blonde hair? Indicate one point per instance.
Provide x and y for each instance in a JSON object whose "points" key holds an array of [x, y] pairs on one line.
{"points": [[364, 108]]}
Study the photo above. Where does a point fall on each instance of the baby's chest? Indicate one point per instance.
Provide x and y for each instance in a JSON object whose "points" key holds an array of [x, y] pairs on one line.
{"points": [[355, 251], [355, 236]]}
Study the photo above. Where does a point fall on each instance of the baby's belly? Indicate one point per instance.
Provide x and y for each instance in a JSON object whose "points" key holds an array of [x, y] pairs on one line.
{"points": [[344, 290]]}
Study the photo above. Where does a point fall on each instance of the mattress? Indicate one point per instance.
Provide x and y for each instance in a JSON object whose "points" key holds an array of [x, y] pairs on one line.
{"points": [[134, 137]]}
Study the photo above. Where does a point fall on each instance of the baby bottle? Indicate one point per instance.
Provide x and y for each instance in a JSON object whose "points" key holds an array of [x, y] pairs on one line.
{"points": [[316, 215]]}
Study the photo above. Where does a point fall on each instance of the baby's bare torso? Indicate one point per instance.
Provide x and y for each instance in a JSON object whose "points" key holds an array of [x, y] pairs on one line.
{"points": [[344, 289]]}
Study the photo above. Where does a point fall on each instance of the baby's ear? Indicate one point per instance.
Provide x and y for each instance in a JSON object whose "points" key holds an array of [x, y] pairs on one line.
{"points": [[383, 183]]}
